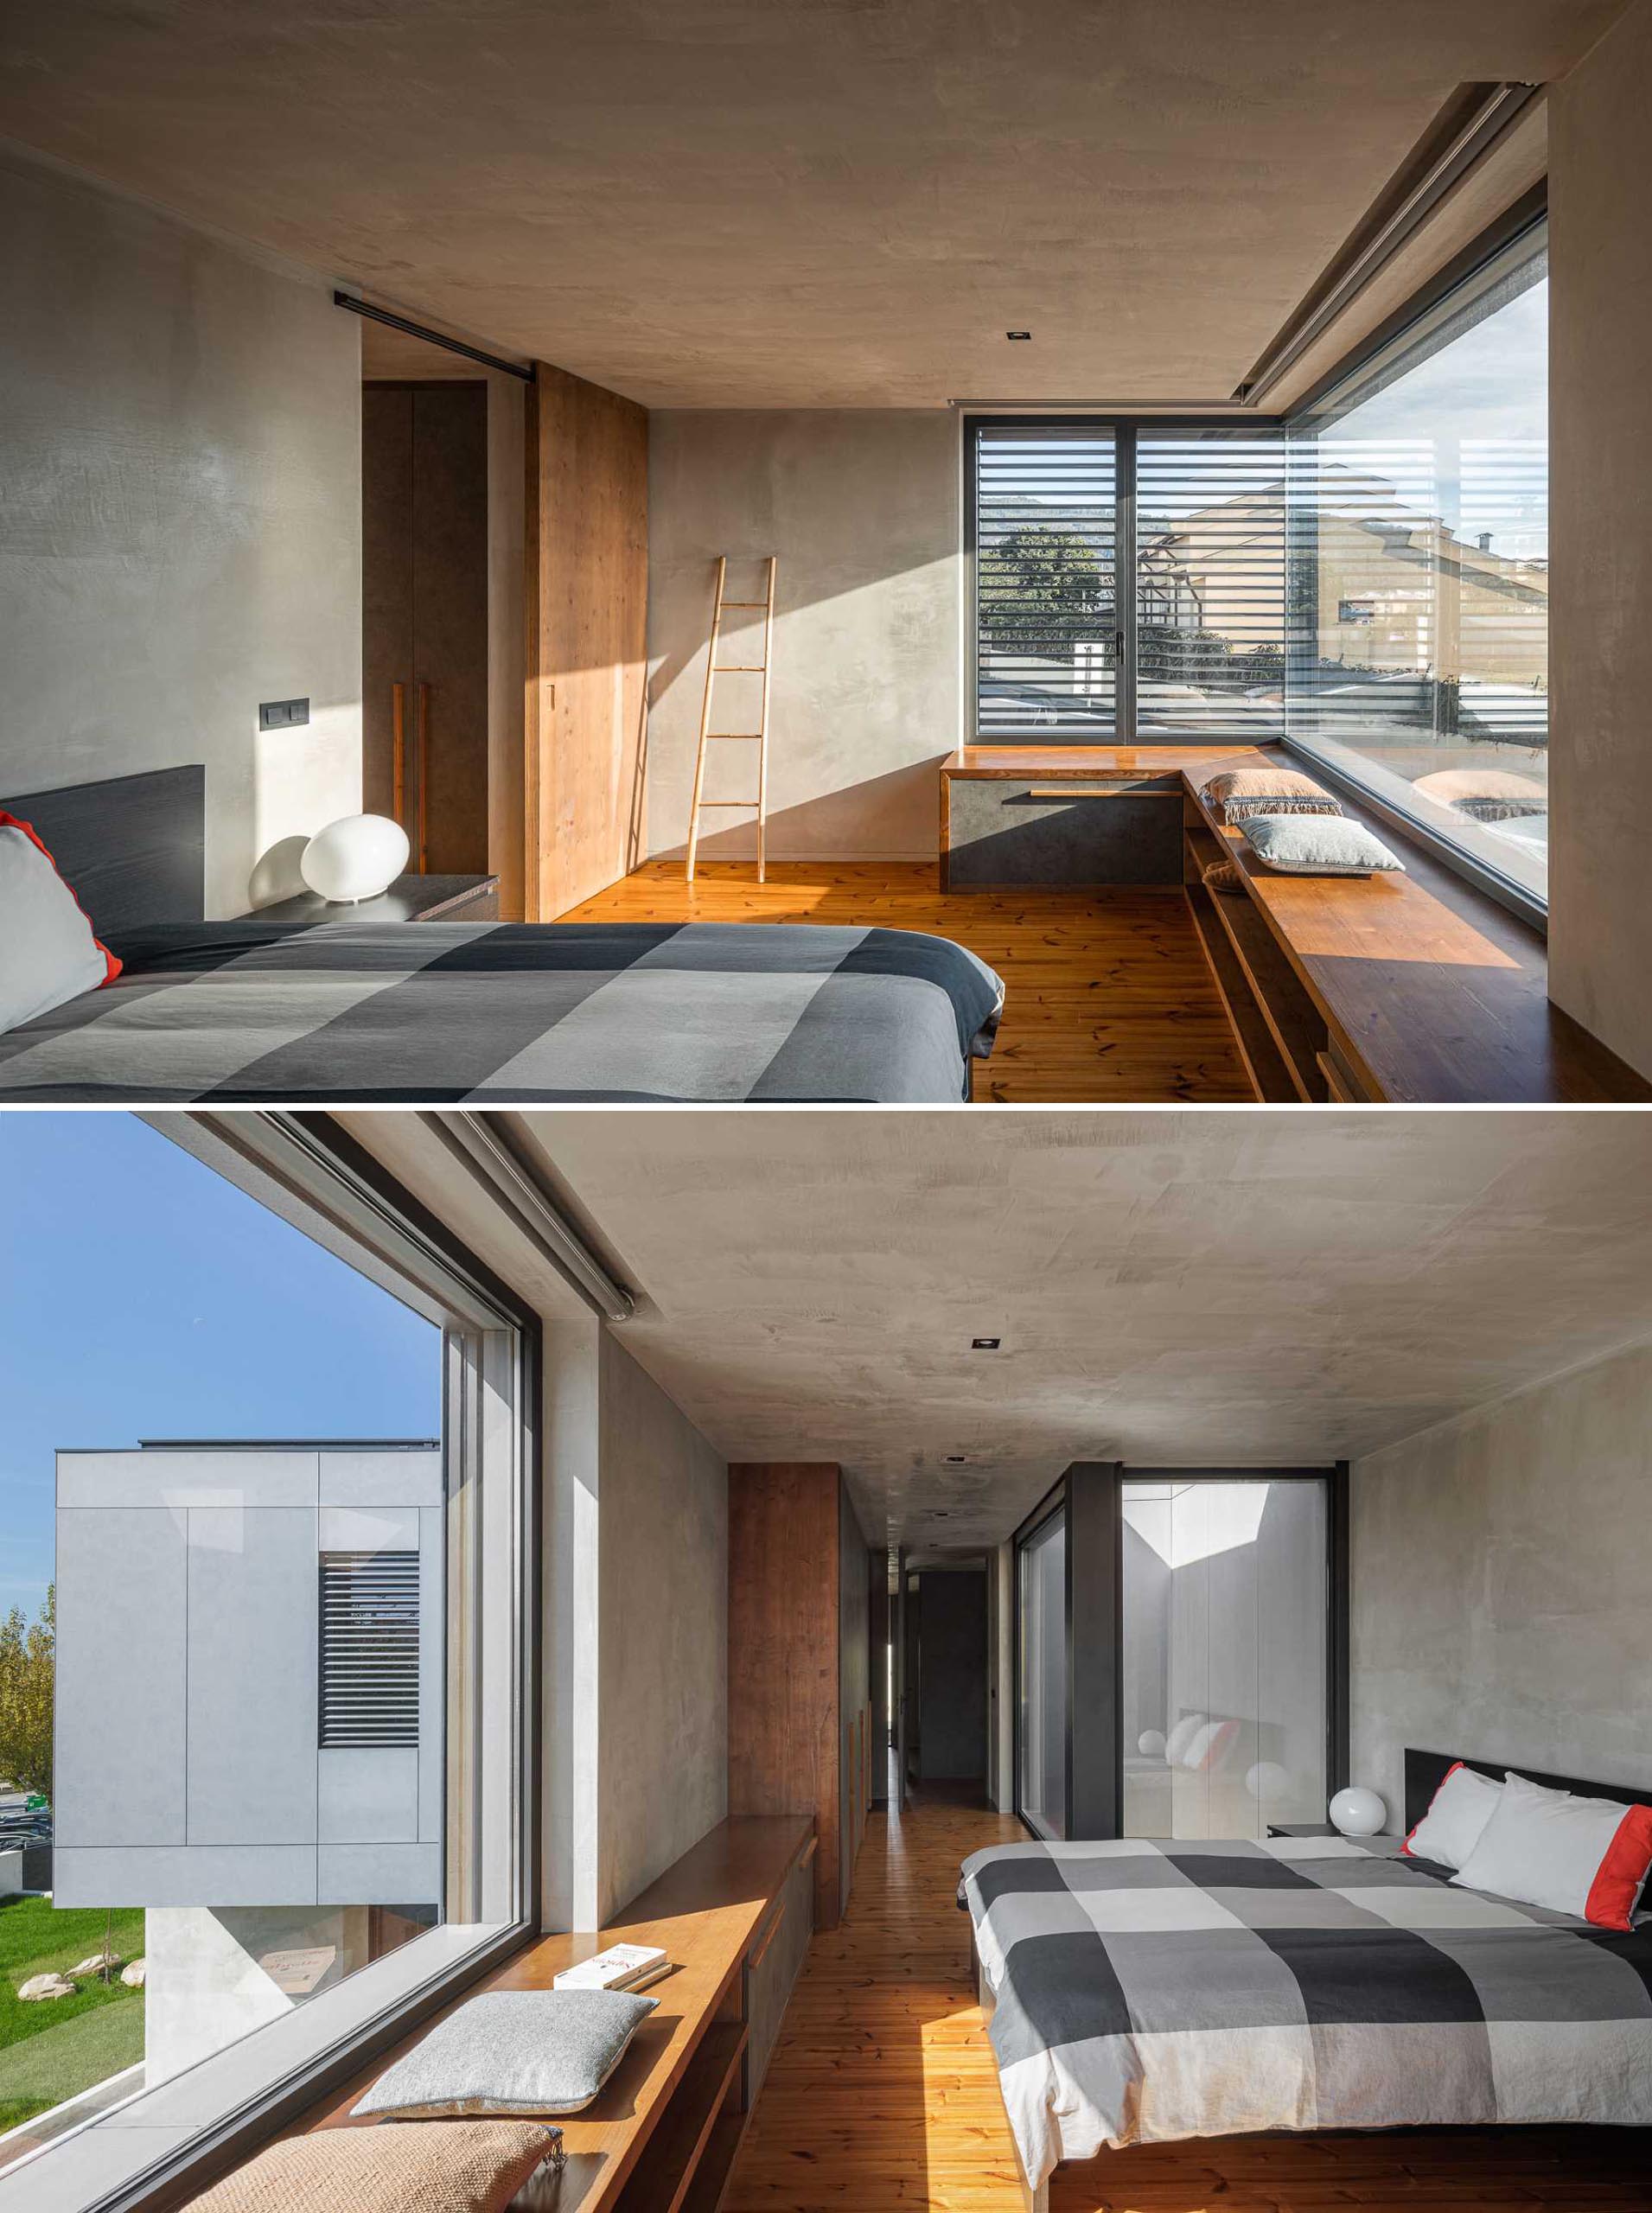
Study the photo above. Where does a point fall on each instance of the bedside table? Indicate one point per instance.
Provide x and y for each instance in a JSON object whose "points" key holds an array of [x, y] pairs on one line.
{"points": [[1382, 1843], [408, 899]]}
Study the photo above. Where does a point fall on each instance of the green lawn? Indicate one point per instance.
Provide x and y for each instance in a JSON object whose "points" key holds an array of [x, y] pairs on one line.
{"points": [[50, 2050]]}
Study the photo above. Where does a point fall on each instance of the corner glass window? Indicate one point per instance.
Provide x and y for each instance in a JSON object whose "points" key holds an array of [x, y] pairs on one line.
{"points": [[1417, 572]]}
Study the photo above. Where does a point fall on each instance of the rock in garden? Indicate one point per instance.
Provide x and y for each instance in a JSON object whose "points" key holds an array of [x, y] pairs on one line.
{"points": [[46, 1985], [133, 1975], [97, 1964]]}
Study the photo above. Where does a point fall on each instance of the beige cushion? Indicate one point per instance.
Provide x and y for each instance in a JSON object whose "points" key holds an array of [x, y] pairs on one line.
{"points": [[1223, 876], [1486, 794], [415, 2166], [1237, 794]]}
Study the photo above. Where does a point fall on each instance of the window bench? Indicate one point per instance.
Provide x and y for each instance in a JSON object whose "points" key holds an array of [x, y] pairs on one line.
{"points": [[735, 1914], [1418, 988]]}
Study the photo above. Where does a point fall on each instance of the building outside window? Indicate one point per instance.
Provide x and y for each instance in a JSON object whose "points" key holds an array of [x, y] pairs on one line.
{"points": [[281, 1775]]}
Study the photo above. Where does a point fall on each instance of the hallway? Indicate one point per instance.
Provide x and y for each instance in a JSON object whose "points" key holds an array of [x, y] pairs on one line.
{"points": [[882, 2092], [882, 2095]]}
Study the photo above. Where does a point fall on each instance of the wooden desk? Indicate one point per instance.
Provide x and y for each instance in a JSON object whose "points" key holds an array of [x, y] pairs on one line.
{"points": [[1413, 988], [663, 2134], [1066, 815]]}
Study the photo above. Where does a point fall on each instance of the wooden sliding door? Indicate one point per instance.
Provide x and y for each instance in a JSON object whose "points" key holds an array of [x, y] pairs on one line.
{"points": [[587, 601]]}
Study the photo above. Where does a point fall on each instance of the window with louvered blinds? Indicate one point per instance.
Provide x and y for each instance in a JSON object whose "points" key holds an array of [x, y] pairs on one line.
{"points": [[1209, 584], [1046, 617], [369, 1650], [1194, 515]]}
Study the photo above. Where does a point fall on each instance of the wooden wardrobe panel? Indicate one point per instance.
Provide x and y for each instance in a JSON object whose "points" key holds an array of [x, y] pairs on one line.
{"points": [[387, 582], [450, 621], [587, 607], [784, 1691]]}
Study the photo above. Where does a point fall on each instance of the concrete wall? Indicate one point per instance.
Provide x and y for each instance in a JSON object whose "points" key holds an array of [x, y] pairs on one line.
{"points": [[1499, 1586], [663, 1774], [1600, 786], [862, 508], [179, 444]]}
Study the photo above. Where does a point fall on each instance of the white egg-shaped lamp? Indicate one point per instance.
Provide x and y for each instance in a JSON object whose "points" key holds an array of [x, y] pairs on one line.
{"points": [[1266, 1781], [1151, 1744], [356, 858], [1357, 1812]]}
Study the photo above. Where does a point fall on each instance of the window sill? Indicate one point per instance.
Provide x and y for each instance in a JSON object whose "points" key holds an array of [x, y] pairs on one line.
{"points": [[1489, 863], [115, 2158]]}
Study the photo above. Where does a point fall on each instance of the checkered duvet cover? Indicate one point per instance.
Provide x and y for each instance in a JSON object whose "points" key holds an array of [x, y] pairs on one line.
{"points": [[481, 1012], [1144, 1991]]}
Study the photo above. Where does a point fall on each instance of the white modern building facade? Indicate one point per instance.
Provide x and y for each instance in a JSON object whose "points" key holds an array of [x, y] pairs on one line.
{"points": [[250, 1718]]}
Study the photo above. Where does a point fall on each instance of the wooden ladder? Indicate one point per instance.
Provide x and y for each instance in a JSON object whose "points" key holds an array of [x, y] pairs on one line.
{"points": [[759, 737]]}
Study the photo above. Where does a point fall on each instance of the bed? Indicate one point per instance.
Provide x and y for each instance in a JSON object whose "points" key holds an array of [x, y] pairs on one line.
{"points": [[1144, 1991], [478, 1013]]}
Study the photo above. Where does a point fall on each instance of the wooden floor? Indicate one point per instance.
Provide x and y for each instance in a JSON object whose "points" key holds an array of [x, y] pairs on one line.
{"points": [[881, 2095], [1107, 997]]}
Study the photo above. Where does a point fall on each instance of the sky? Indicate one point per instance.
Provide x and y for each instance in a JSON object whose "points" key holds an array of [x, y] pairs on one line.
{"points": [[143, 1296]]}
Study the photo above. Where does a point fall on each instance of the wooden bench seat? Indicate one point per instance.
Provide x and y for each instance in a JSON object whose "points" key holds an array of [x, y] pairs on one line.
{"points": [[1415, 989], [735, 1915]]}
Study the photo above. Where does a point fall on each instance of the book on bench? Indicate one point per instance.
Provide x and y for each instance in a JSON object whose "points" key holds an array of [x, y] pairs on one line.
{"points": [[622, 1967]]}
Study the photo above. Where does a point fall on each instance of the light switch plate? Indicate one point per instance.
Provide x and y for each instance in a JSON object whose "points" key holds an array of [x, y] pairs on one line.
{"points": [[283, 714]]}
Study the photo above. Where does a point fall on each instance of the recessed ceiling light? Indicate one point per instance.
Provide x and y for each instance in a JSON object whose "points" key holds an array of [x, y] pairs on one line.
{"points": [[954, 1459], [984, 1344], [1022, 335]]}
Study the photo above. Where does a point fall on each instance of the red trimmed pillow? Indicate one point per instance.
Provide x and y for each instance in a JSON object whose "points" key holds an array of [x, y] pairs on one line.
{"points": [[1456, 1816], [49, 952], [1584, 1856]]}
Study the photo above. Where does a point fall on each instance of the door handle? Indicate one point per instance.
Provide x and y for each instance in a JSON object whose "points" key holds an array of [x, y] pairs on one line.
{"points": [[399, 752], [422, 693]]}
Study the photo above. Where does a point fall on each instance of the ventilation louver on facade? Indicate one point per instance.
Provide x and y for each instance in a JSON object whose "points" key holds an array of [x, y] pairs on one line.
{"points": [[369, 1651]]}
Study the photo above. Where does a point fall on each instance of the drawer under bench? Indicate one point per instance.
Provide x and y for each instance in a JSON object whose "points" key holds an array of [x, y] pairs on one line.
{"points": [[1047, 828]]}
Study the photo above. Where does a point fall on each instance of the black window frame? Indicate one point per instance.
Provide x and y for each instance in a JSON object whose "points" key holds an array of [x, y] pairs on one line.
{"points": [[1125, 430], [1092, 1494]]}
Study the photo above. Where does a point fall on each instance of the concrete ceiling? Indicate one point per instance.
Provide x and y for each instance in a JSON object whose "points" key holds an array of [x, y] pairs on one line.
{"points": [[1170, 1288], [788, 203]]}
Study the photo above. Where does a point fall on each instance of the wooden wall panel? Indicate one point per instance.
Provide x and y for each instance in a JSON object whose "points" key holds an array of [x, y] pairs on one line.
{"points": [[784, 1687], [586, 594]]}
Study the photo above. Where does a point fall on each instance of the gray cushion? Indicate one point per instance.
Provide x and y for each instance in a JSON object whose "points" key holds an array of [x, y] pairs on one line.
{"points": [[1319, 844], [515, 2051], [48, 952]]}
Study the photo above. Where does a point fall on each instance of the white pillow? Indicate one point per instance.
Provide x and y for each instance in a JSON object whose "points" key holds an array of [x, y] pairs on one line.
{"points": [[1583, 1856], [49, 953], [1458, 1813], [1181, 1736]]}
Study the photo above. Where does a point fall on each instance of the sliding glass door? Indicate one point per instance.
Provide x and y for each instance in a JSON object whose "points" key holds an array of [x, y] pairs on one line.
{"points": [[1180, 1651], [1225, 1654], [1190, 516], [1042, 1699]]}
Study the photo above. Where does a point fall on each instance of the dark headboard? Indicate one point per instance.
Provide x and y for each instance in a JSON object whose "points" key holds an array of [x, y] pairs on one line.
{"points": [[1425, 1771], [133, 848]]}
